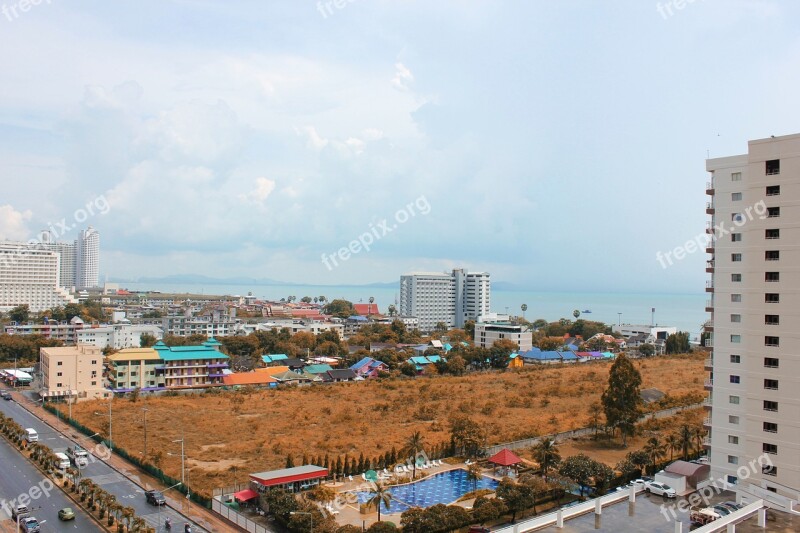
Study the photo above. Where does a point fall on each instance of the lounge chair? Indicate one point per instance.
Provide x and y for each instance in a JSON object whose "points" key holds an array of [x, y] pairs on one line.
{"points": [[364, 477], [467, 462], [385, 471], [350, 478]]}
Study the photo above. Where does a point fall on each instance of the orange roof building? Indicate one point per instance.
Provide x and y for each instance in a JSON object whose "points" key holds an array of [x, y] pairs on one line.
{"points": [[249, 378]]}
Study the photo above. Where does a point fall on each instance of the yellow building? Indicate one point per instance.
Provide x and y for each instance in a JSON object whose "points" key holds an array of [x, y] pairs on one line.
{"points": [[72, 372], [135, 368]]}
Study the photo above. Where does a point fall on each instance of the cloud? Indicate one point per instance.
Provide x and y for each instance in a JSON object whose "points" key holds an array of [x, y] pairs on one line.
{"points": [[402, 77], [264, 188], [12, 223]]}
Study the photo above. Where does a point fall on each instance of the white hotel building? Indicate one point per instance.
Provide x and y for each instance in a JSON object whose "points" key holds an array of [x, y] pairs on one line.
{"points": [[754, 381], [30, 276], [451, 298]]}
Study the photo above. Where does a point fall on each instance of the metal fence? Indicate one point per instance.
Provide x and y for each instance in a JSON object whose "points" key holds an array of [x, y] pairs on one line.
{"points": [[233, 516], [582, 432]]}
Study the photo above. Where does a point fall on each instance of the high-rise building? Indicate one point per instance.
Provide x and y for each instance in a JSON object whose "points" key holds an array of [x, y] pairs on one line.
{"points": [[66, 250], [754, 384], [451, 298], [30, 276], [87, 259]]}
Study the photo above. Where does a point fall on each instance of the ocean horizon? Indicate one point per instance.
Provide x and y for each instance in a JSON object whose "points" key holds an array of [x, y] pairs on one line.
{"points": [[684, 311]]}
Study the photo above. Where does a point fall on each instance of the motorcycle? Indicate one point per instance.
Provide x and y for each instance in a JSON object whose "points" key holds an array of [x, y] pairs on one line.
{"points": [[168, 524]]}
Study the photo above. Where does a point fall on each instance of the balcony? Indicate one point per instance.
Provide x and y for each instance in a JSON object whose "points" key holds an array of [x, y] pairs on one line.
{"points": [[709, 306], [709, 342], [710, 227], [707, 421], [709, 384], [709, 363], [710, 285], [710, 266], [710, 247], [709, 208], [707, 402], [218, 365], [706, 442], [710, 187]]}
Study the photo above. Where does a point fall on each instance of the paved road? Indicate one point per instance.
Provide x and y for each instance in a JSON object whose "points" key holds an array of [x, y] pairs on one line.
{"points": [[126, 491], [19, 476]]}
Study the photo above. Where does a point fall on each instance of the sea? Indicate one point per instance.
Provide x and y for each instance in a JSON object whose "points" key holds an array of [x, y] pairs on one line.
{"points": [[684, 311]]}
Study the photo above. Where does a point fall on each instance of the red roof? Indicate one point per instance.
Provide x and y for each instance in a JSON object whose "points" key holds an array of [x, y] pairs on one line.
{"points": [[305, 312], [289, 475], [366, 309], [505, 457], [246, 494]]}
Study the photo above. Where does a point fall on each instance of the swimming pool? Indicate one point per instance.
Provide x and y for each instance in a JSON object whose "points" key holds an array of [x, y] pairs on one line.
{"points": [[446, 487]]}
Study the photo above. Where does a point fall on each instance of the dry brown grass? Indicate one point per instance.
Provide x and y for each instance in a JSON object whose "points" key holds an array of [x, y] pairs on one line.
{"points": [[255, 432]]}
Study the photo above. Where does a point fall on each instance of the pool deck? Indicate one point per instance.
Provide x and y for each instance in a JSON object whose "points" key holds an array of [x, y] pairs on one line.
{"points": [[349, 513]]}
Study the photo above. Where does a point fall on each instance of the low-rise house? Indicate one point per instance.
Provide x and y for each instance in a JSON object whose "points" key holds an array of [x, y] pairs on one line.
{"points": [[251, 379], [341, 374], [314, 370], [422, 362], [293, 363], [535, 355], [515, 361], [274, 359], [135, 368], [192, 366], [291, 377], [367, 309], [369, 367]]}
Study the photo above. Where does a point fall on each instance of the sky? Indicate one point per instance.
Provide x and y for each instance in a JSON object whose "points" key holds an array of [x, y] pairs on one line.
{"points": [[556, 145]]}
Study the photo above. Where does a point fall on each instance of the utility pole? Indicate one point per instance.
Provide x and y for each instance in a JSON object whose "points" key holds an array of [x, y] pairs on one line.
{"points": [[144, 413]]}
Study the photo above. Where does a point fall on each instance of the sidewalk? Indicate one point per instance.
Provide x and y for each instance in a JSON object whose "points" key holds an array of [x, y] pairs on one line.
{"points": [[205, 518]]}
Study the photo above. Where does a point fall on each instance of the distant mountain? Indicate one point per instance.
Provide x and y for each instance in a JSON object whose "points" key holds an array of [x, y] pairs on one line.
{"points": [[506, 286], [201, 279]]}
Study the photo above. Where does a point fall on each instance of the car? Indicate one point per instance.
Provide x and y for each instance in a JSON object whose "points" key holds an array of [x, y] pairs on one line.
{"points": [[66, 514], [30, 525], [6, 395], [154, 497], [721, 510], [659, 489], [479, 529], [733, 506], [19, 510]]}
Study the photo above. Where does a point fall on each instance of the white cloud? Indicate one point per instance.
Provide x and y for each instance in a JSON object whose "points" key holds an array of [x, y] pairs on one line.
{"points": [[264, 188], [13, 223], [402, 77]]}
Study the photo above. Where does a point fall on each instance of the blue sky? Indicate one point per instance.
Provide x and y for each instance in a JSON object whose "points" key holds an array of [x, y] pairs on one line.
{"points": [[559, 145]]}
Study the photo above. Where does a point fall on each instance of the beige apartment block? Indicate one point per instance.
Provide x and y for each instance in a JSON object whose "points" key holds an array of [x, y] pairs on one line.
{"points": [[72, 372], [754, 299]]}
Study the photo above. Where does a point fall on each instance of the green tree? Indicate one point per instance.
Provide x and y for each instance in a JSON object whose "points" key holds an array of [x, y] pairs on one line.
{"points": [[380, 494], [678, 343], [382, 527], [488, 509], [392, 310], [654, 449], [289, 461], [672, 443], [474, 475], [500, 352], [146, 340], [621, 398], [646, 349], [516, 496], [339, 308], [440, 327], [467, 436], [595, 414], [640, 459], [19, 314], [576, 314], [414, 445], [469, 328], [580, 469], [685, 439], [306, 299], [545, 452]]}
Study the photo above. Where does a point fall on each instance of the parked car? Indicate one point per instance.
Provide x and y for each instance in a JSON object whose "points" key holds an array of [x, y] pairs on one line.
{"points": [[659, 489], [30, 525], [721, 510], [154, 497], [66, 514], [19, 510], [733, 506], [6, 395]]}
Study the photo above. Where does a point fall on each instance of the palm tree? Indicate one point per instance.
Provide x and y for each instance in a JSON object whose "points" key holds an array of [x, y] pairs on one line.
{"points": [[654, 450], [371, 301], [545, 452], [114, 510], [380, 494], [576, 314], [698, 433], [415, 444], [138, 524], [673, 444], [127, 514], [685, 438], [474, 475]]}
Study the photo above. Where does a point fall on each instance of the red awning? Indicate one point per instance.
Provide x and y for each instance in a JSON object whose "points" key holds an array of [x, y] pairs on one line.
{"points": [[246, 494], [505, 457]]}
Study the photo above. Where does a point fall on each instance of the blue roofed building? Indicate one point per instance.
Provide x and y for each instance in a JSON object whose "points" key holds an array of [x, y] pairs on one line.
{"points": [[369, 367], [274, 359], [192, 366], [421, 362]]}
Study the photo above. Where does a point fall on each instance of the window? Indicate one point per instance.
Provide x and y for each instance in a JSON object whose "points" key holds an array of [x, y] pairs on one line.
{"points": [[772, 341], [772, 234], [771, 384], [732, 480], [769, 448], [94, 383], [733, 460], [736, 176], [736, 359], [60, 363], [772, 276], [736, 297], [735, 379], [736, 258], [772, 320], [769, 405], [737, 217], [736, 196], [772, 298], [733, 399], [769, 470], [59, 384], [773, 212], [736, 237], [773, 166], [772, 255], [736, 278], [59, 374], [773, 190], [733, 439], [733, 419], [736, 339], [771, 362], [736, 318], [770, 427]]}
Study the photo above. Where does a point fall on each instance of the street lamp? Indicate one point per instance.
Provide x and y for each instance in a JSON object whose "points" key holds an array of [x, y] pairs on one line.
{"points": [[183, 467], [144, 414], [110, 440], [311, 516], [159, 507]]}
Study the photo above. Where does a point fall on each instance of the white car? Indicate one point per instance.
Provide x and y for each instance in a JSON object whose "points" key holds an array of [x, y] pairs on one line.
{"points": [[660, 489]]}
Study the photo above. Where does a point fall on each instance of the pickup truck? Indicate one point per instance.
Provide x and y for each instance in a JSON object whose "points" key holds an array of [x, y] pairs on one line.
{"points": [[78, 456], [19, 510]]}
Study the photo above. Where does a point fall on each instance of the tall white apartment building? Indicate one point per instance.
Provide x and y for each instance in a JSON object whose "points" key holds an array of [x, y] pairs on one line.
{"points": [[87, 259], [66, 250], [451, 298], [30, 276], [754, 382]]}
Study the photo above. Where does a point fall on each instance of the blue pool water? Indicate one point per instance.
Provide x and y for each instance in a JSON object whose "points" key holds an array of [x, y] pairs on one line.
{"points": [[446, 487]]}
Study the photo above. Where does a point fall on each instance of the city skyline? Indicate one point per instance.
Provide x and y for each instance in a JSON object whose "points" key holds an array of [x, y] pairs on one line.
{"points": [[550, 143]]}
